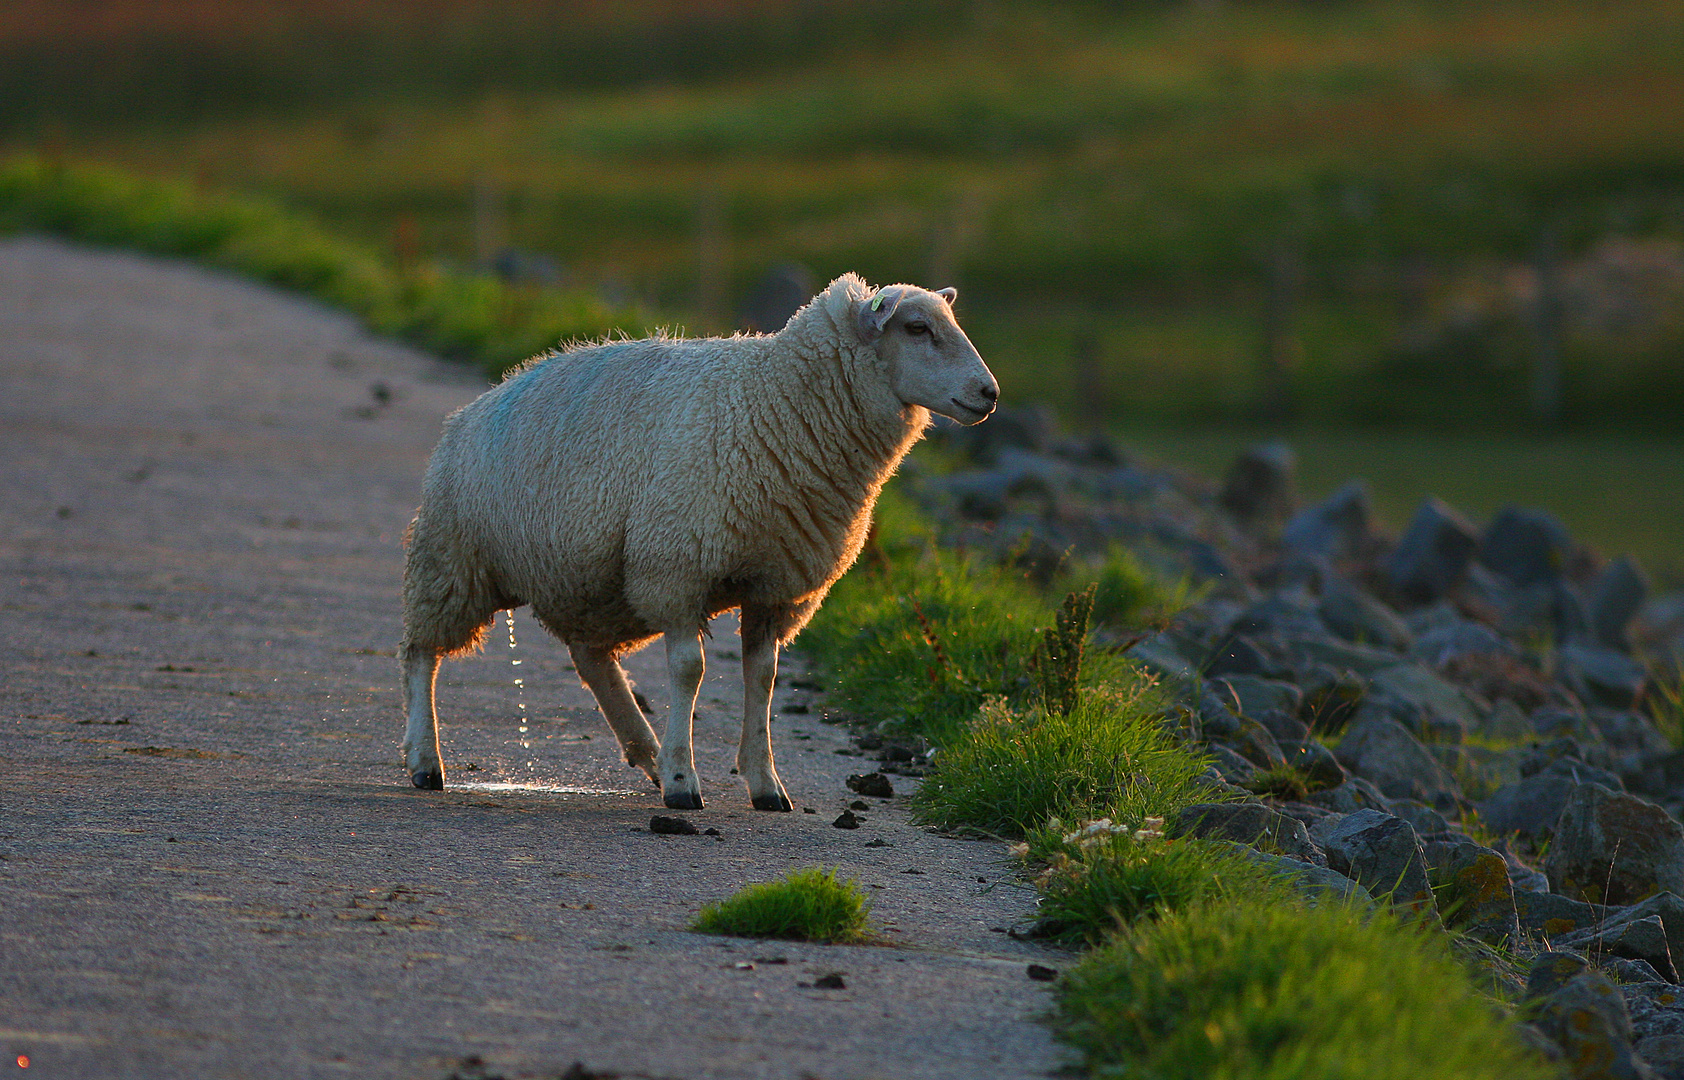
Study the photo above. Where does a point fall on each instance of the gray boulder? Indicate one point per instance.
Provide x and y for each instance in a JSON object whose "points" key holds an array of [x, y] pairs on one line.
{"points": [[1475, 891], [1668, 907], [1632, 938], [1314, 762], [1382, 854], [1353, 795], [1587, 1018], [1381, 750], [1252, 824], [1357, 617], [1525, 546], [1615, 848], [1530, 807], [1308, 879], [1597, 673], [1432, 554], [1555, 916], [1615, 598], [1259, 488], [1338, 527], [1443, 645], [1248, 695], [1412, 692]]}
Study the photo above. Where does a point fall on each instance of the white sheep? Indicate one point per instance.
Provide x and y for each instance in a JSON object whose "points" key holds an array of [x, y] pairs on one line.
{"points": [[638, 488]]}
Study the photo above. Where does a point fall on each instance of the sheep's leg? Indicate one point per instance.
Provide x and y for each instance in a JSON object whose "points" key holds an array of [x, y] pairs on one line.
{"points": [[421, 730], [606, 680], [760, 673], [680, 787]]}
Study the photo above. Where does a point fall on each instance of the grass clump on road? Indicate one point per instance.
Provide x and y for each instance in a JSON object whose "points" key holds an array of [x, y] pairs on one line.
{"points": [[810, 904], [1280, 991]]}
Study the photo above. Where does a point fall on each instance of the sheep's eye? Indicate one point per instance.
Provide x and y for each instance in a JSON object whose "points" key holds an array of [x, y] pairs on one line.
{"points": [[917, 328]]}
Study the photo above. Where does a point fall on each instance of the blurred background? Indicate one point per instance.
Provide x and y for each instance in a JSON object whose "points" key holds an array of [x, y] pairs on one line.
{"points": [[1438, 245]]}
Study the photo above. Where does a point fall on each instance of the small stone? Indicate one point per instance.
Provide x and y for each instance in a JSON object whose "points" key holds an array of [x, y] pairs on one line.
{"points": [[662, 825], [874, 784], [1614, 848], [1525, 546], [833, 981], [1041, 973], [1433, 553], [808, 810], [711, 831], [1335, 528], [1381, 853], [859, 804], [878, 841], [1252, 824], [847, 820]]}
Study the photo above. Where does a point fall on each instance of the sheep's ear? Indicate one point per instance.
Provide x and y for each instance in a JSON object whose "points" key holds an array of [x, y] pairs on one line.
{"points": [[949, 294], [874, 314]]}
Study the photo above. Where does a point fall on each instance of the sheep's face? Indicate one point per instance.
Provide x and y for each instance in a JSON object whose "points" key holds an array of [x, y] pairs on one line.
{"points": [[930, 361]]}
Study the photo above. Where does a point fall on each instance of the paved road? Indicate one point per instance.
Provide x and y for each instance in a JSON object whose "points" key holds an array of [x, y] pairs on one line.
{"points": [[210, 862]]}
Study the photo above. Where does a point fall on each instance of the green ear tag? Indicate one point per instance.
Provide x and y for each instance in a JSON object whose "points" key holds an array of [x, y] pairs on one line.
{"points": [[877, 302]]}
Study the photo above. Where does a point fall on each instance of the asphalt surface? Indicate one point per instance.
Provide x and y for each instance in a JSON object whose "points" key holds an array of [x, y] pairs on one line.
{"points": [[211, 862]]}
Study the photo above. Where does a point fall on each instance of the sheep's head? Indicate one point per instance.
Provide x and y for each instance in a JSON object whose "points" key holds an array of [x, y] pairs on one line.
{"points": [[929, 359]]}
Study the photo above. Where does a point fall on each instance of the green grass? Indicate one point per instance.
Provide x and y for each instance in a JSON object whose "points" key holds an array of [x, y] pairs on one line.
{"points": [[810, 904], [1095, 886], [1255, 991], [1011, 770], [471, 317]]}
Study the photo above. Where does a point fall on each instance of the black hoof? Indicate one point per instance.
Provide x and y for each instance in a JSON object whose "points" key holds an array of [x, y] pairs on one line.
{"points": [[683, 800], [428, 779], [772, 802]]}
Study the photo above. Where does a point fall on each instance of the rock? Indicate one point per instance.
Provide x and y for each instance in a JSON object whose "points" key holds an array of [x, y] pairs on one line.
{"points": [[1421, 817], [1624, 970], [1356, 616], [1283, 727], [1615, 598], [1475, 881], [1525, 546], [1445, 645], [1587, 1018], [1611, 847], [1413, 692], [1259, 487], [1254, 743], [874, 784], [1353, 795], [1433, 553], [1027, 427], [1254, 825], [1234, 768], [1554, 916], [1381, 750], [846, 820], [1041, 973], [1521, 875], [1600, 674], [1664, 1053], [1668, 907], [1288, 612], [1381, 853], [1239, 655], [1529, 807], [1308, 879], [1550, 971], [672, 826], [1314, 762], [1247, 695], [1335, 528], [779, 293], [1633, 938], [1159, 655]]}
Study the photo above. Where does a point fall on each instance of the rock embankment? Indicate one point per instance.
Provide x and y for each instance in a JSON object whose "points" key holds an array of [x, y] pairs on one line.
{"points": [[1461, 719]]}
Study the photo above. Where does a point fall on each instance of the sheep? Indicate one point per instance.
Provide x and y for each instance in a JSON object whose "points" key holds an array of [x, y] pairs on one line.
{"points": [[634, 489]]}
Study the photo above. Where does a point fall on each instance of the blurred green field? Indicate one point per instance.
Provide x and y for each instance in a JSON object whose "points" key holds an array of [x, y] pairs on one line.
{"points": [[1351, 222], [1322, 213]]}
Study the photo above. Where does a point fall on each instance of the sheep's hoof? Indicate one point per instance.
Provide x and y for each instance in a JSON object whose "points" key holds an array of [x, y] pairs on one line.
{"points": [[772, 802], [428, 779], [683, 800]]}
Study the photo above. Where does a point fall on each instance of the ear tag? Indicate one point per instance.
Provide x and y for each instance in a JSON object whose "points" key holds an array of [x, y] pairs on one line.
{"points": [[877, 302]]}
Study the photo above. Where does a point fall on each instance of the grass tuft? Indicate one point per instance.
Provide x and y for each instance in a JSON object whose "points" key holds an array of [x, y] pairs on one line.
{"points": [[1009, 771], [810, 904], [1223, 991]]}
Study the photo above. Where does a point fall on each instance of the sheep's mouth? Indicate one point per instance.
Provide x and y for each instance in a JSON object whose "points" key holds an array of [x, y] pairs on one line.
{"points": [[972, 409]]}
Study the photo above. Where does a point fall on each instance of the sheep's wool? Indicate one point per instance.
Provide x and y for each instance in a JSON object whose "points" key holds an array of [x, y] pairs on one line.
{"points": [[625, 488]]}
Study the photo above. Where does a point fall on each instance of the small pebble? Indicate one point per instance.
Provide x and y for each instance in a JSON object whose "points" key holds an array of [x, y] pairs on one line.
{"points": [[833, 981], [874, 784], [847, 821], [1042, 973], [859, 804]]}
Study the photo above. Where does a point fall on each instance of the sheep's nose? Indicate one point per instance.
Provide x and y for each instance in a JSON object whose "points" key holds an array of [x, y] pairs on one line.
{"points": [[991, 392]]}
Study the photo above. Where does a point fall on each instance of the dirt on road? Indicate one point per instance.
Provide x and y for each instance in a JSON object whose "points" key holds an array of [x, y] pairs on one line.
{"points": [[211, 862]]}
